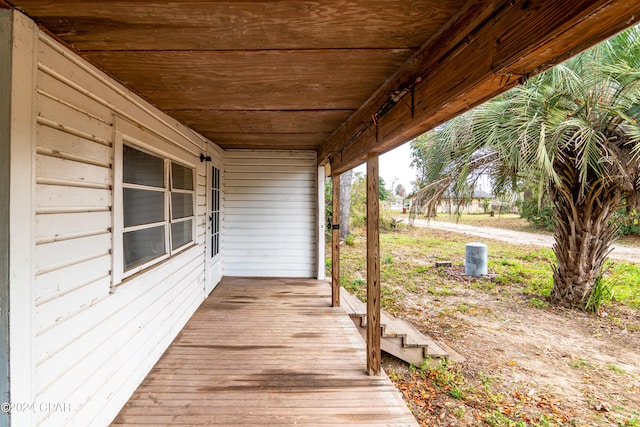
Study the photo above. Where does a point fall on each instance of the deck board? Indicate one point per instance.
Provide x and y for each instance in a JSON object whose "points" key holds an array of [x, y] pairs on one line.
{"points": [[266, 352]]}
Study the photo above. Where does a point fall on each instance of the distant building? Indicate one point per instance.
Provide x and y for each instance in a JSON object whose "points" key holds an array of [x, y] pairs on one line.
{"points": [[395, 203], [479, 202]]}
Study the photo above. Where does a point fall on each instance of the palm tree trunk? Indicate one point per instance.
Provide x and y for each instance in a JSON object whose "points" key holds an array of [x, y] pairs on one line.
{"points": [[583, 237]]}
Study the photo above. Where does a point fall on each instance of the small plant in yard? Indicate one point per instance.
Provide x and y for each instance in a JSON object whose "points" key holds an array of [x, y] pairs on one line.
{"points": [[580, 363], [394, 376], [602, 294], [632, 422], [498, 419], [446, 377], [355, 286], [538, 303], [615, 368], [459, 412], [350, 240], [456, 393]]}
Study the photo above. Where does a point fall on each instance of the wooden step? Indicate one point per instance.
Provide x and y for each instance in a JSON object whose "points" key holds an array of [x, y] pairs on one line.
{"points": [[399, 338]]}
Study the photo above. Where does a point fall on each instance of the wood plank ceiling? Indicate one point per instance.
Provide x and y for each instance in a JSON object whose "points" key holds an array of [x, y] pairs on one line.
{"points": [[248, 74], [321, 74]]}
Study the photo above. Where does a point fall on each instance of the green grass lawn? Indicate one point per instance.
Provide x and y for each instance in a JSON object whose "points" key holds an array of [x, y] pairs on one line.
{"points": [[408, 257]]}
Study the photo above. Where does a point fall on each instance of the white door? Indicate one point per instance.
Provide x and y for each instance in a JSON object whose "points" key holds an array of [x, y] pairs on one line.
{"points": [[214, 227]]}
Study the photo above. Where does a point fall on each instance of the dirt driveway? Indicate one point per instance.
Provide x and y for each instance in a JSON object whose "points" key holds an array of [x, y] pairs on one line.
{"points": [[620, 252]]}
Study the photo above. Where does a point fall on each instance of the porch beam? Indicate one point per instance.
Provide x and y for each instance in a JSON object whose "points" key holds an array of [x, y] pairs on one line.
{"points": [[373, 266], [335, 242], [487, 48]]}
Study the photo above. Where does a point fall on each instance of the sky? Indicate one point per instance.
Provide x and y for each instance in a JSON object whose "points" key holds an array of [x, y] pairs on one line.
{"points": [[395, 165]]}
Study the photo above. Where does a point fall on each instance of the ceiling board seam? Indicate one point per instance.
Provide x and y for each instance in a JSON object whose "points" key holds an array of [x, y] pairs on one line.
{"points": [[214, 132], [233, 51], [259, 110]]}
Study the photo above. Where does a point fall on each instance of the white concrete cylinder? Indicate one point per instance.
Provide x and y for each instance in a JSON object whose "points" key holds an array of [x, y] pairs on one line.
{"points": [[476, 259]]}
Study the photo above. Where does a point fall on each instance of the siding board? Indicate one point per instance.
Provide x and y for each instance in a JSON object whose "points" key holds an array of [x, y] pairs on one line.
{"points": [[57, 309], [256, 198], [58, 282], [67, 252], [288, 176], [64, 142], [72, 118], [54, 225], [66, 94], [293, 192], [246, 238], [70, 170], [49, 196], [269, 211]]}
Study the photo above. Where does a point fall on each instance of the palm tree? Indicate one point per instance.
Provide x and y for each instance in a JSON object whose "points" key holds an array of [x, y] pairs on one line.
{"points": [[573, 131]]}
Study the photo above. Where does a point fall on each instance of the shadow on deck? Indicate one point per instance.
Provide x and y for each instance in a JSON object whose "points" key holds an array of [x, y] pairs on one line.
{"points": [[266, 352]]}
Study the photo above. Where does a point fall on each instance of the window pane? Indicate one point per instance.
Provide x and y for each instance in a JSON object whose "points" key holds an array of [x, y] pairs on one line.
{"points": [[182, 177], [141, 246], [142, 168], [181, 233], [181, 205], [142, 206]]}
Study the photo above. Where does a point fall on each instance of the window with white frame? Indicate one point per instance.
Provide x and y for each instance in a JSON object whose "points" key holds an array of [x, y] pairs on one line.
{"points": [[158, 208]]}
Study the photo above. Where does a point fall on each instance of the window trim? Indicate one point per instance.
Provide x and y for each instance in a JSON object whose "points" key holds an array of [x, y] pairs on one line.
{"points": [[192, 217], [143, 140]]}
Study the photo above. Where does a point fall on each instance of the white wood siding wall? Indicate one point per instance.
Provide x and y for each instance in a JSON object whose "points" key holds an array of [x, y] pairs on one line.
{"points": [[92, 347], [269, 226]]}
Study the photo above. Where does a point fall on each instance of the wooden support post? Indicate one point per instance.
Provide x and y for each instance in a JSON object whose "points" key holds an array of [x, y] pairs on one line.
{"points": [[335, 243], [373, 266]]}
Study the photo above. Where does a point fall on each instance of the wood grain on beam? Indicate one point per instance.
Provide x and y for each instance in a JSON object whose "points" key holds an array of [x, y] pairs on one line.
{"points": [[373, 267], [493, 47], [335, 243]]}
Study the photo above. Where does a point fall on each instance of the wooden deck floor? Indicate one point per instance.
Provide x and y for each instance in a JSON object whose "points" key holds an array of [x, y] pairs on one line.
{"points": [[266, 352]]}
